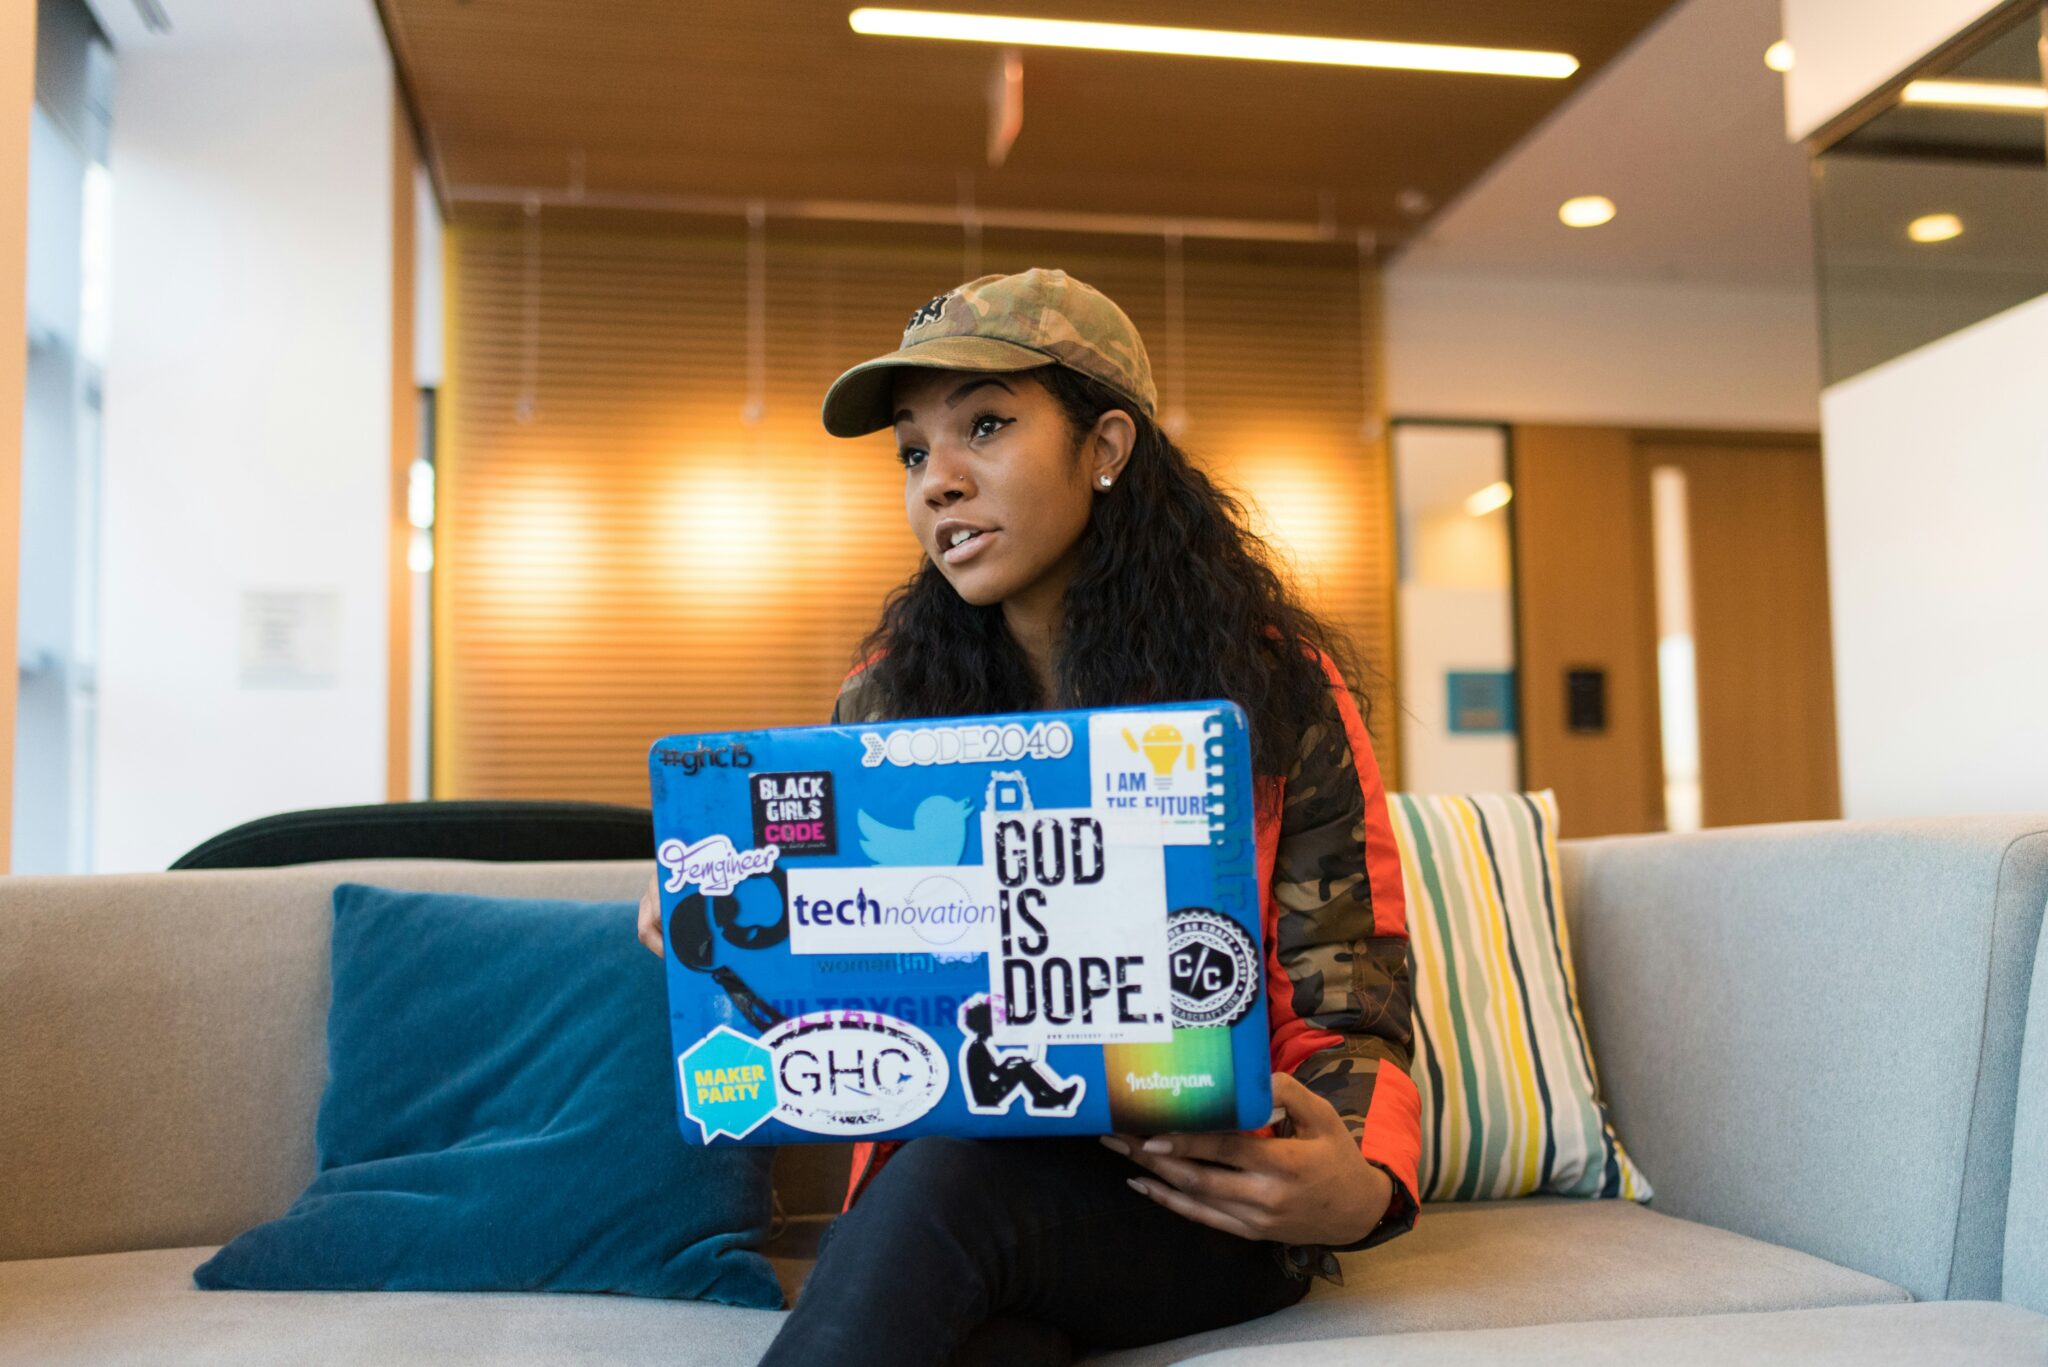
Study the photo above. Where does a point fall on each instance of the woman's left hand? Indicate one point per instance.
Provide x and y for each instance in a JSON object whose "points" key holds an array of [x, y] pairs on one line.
{"points": [[1312, 1186]]}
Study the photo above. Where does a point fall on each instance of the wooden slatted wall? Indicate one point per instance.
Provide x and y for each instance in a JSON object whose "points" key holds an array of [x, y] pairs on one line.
{"points": [[635, 558]]}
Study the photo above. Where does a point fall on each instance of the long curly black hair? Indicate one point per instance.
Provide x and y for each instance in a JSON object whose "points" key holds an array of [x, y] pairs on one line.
{"points": [[1175, 598]]}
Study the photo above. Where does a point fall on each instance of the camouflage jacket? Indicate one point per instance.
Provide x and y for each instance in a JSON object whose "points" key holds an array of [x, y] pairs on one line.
{"points": [[1336, 935]]}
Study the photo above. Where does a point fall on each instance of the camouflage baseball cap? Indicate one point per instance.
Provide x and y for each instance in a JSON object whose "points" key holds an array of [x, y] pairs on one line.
{"points": [[1001, 323]]}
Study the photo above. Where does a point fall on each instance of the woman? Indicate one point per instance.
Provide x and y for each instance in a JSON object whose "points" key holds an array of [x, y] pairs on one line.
{"points": [[1076, 558]]}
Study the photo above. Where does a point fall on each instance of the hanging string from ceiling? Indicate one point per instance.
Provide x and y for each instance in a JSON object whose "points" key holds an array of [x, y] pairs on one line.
{"points": [[1372, 427], [527, 407], [970, 229], [757, 313], [1174, 415]]}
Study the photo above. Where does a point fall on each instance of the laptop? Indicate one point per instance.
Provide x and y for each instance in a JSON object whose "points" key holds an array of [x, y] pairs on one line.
{"points": [[1035, 923]]}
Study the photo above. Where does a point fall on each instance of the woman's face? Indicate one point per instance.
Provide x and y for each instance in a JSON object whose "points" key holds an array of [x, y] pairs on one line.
{"points": [[993, 455]]}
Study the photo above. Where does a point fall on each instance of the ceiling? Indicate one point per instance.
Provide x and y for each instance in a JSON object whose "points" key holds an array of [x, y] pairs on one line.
{"points": [[742, 99], [1687, 136]]}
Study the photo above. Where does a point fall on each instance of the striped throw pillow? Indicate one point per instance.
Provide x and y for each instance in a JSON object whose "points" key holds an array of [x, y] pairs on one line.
{"points": [[1510, 1100]]}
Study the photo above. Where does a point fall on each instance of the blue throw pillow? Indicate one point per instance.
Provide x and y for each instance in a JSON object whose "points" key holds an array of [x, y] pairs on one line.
{"points": [[500, 1116]]}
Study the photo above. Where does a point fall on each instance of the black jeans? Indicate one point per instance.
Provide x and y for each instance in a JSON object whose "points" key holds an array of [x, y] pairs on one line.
{"points": [[1017, 1251]]}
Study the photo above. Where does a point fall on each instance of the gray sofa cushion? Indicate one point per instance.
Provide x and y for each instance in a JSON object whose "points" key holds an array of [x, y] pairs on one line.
{"points": [[1928, 1334], [115, 1309], [1810, 1033], [1532, 1261], [1540, 1260]]}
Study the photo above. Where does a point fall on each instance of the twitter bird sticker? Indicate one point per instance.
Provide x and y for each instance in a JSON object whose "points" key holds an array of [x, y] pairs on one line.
{"points": [[937, 834]]}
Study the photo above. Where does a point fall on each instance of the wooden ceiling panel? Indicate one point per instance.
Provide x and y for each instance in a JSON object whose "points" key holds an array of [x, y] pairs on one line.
{"points": [[744, 99]]}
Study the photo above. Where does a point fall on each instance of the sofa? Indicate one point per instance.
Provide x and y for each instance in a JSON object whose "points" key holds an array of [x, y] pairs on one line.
{"points": [[1814, 1037]]}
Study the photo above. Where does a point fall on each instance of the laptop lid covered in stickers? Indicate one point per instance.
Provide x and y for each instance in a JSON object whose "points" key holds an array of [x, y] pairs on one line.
{"points": [[1029, 923]]}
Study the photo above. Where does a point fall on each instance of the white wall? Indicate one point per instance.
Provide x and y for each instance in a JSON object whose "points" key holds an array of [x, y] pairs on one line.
{"points": [[1937, 497], [427, 303], [1465, 344], [1455, 604], [1844, 49], [1446, 629], [247, 432]]}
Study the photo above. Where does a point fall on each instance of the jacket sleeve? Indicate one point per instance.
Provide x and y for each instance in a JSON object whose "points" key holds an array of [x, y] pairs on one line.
{"points": [[1341, 938]]}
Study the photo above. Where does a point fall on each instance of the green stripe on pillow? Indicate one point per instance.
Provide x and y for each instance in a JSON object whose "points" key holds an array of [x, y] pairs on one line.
{"points": [[1510, 1098]]}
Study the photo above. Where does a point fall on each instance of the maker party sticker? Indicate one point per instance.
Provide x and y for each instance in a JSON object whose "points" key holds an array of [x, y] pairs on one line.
{"points": [[1151, 763], [727, 1085]]}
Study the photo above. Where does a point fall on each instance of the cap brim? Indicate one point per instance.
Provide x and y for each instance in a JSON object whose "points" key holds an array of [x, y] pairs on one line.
{"points": [[858, 401]]}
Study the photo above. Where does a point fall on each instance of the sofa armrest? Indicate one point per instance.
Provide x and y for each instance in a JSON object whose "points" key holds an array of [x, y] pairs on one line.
{"points": [[1809, 1033], [163, 1040]]}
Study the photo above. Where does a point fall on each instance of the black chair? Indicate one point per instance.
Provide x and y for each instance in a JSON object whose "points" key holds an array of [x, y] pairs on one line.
{"points": [[503, 831]]}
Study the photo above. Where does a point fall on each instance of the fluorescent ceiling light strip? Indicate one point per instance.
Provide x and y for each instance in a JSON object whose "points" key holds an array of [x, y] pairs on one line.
{"points": [[1195, 42], [1979, 94]]}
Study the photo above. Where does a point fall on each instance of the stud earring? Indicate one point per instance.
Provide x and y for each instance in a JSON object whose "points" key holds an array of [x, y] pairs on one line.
{"points": [[1105, 481]]}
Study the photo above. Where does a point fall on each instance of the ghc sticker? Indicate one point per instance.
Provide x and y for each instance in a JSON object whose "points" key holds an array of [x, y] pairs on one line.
{"points": [[728, 1087], [853, 1072]]}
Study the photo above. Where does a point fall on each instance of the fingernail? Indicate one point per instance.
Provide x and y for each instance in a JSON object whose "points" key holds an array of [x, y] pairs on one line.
{"points": [[1135, 1185], [1158, 1146], [1110, 1141]]}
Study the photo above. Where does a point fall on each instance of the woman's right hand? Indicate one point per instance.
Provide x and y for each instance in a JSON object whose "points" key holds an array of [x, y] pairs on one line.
{"points": [[650, 913]]}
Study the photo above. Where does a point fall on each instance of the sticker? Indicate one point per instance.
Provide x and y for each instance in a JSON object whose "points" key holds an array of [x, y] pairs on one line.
{"points": [[1213, 966], [1151, 762], [938, 1011], [885, 910], [916, 746], [793, 812], [1079, 954], [711, 863], [1007, 792], [937, 833], [727, 1084], [992, 1076], [733, 755], [753, 915], [853, 1072], [1184, 1084]]}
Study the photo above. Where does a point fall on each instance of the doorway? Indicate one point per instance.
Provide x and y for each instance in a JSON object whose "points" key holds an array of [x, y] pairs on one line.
{"points": [[1676, 663]]}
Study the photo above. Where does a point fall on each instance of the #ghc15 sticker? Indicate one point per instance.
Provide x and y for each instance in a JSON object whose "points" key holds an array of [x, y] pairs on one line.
{"points": [[853, 1072], [916, 746]]}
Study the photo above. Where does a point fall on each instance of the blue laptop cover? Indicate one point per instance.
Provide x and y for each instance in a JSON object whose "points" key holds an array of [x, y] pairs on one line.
{"points": [[1030, 923]]}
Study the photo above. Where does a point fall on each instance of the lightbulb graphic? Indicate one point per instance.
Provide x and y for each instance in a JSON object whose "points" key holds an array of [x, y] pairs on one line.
{"points": [[1162, 747]]}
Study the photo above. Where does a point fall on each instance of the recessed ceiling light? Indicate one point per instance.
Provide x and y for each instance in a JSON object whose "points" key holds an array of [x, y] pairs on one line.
{"points": [[1195, 42], [1778, 56], [1492, 498], [2022, 96], [1587, 211], [1935, 228]]}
